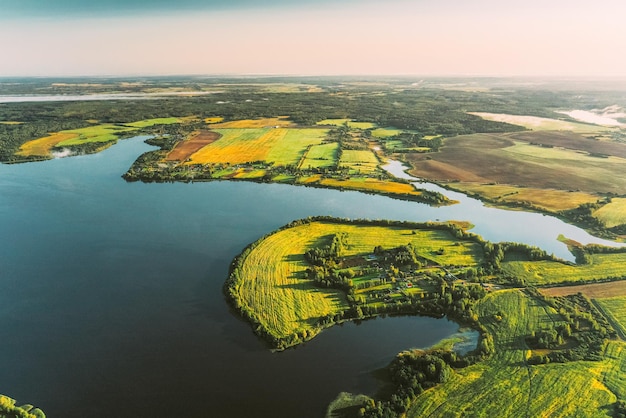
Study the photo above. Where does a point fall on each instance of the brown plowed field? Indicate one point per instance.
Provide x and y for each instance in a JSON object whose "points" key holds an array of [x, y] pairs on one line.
{"points": [[486, 158], [595, 291], [186, 148], [574, 141]]}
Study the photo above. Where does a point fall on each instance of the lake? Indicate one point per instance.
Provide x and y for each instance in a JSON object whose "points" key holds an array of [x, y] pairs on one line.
{"points": [[112, 302]]}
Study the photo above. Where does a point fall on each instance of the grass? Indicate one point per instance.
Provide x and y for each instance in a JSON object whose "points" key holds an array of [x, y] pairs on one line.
{"points": [[349, 122], [290, 149], [548, 199], [602, 266], [615, 308], [320, 156], [286, 303], [385, 132], [151, 122], [612, 214], [97, 133], [357, 161], [507, 384]]}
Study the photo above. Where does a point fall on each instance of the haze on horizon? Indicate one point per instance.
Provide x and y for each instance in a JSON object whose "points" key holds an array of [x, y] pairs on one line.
{"points": [[321, 37]]}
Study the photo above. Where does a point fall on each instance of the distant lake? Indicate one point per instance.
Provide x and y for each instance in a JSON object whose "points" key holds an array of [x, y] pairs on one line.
{"points": [[112, 303], [22, 98]]}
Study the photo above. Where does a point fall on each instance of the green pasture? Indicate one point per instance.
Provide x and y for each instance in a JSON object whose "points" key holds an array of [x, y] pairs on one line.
{"points": [[352, 124], [320, 156], [505, 385], [540, 273], [151, 122], [383, 133], [359, 161], [615, 309], [290, 148], [97, 133]]}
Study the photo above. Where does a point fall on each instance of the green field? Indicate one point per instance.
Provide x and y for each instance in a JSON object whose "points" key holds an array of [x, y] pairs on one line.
{"points": [[615, 309], [385, 132], [324, 155], [362, 162], [351, 123], [507, 384], [602, 266], [290, 149]]}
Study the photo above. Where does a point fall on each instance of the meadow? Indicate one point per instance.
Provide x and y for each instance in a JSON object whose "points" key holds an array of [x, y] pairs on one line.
{"points": [[506, 385], [543, 273], [105, 134]]}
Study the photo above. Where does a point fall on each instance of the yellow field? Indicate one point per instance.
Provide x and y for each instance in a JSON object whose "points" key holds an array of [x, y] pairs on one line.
{"points": [[539, 124], [237, 146], [549, 199], [214, 119], [42, 146], [612, 214], [280, 121], [372, 185], [360, 161]]}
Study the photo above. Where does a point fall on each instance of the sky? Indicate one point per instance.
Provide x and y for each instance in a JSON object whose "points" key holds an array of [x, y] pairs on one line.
{"points": [[306, 37]]}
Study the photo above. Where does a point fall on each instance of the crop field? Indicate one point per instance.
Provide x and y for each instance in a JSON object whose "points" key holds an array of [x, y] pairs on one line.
{"points": [[364, 162], [614, 367], [320, 156], [602, 266], [151, 122], [43, 146], [385, 132], [372, 185], [238, 146], [194, 143], [539, 124], [97, 133], [593, 290], [285, 302], [280, 121], [613, 213], [572, 141], [214, 119], [280, 146], [508, 383], [615, 308], [290, 148], [549, 199], [349, 122], [486, 158]]}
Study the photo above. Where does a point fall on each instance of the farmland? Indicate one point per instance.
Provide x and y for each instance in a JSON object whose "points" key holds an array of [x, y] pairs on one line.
{"points": [[600, 267], [102, 135], [509, 383]]}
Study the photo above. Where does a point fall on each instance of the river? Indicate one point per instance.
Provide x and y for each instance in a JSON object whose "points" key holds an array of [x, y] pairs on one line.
{"points": [[112, 301]]}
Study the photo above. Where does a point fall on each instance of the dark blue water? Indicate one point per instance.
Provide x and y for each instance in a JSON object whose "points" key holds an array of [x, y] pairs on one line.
{"points": [[111, 299]]}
